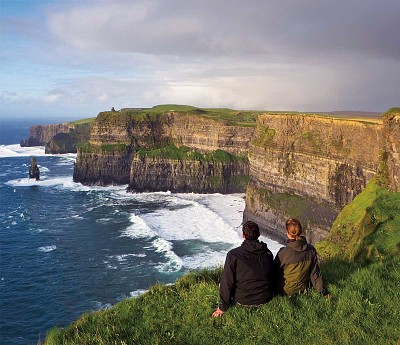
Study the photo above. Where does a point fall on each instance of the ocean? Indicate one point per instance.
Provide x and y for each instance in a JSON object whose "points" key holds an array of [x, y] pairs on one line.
{"points": [[67, 248]]}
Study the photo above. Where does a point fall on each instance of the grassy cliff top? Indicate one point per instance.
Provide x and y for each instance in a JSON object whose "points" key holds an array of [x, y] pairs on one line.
{"points": [[83, 121], [228, 116], [185, 153], [362, 275], [391, 113]]}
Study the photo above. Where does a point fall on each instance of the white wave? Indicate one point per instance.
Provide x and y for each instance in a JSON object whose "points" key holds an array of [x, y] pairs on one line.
{"points": [[27, 182], [103, 220], [193, 222], [124, 257], [273, 246], [101, 306], [174, 262], [140, 229], [204, 260], [43, 169], [137, 292], [229, 207], [47, 249], [17, 151]]}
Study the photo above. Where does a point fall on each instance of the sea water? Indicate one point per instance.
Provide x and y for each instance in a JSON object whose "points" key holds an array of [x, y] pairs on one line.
{"points": [[67, 248]]}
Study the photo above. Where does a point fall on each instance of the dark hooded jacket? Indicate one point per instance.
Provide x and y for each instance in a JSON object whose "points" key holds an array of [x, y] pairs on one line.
{"points": [[296, 267], [247, 275]]}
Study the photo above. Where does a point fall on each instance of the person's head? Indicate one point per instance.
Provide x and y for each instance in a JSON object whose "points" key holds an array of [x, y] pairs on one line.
{"points": [[251, 231], [293, 228]]}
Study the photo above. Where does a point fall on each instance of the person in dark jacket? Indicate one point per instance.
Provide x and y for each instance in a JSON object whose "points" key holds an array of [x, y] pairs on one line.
{"points": [[296, 265], [247, 274]]}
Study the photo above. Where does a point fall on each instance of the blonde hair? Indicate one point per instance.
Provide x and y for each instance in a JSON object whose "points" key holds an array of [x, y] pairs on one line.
{"points": [[294, 228]]}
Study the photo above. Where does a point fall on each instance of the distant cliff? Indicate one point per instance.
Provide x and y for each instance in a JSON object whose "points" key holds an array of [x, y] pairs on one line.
{"points": [[122, 149], [59, 138], [40, 135]]}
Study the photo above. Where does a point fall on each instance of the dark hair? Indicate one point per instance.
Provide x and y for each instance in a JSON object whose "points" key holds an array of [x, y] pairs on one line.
{"points": [[251, 231], [293, 227]]}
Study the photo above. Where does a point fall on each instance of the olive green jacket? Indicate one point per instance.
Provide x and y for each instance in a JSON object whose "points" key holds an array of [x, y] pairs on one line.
{"points": [[296, 268]]}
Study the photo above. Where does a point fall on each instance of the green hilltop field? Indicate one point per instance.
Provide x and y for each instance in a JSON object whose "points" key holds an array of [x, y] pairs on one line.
{"points": [[361, 265]]}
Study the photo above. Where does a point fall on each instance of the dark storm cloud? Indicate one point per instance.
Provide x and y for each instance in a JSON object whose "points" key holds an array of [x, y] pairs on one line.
{"points": [[269, 28]]}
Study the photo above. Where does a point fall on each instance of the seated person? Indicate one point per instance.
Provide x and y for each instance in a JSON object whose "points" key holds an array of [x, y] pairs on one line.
{"points": [[247, 274], [296, 265]]}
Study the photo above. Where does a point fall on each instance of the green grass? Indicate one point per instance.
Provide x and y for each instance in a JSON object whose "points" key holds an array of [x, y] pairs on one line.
{"points": [[86, 147], [367, 228], [244, 118], [363, 277], [83, 121], [391, 112], [365, 310], [185, 153]]}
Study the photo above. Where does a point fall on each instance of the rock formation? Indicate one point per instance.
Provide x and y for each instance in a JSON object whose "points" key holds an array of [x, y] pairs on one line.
{"points": [[59, 138], [308, 167], [391, 153], [40, 135], [34, 171], [116, 138]]}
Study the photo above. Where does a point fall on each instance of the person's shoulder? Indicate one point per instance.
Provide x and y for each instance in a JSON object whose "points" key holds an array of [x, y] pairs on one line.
{"points": [[311, 247], [234, 251], [282, 250], [265, 248]]}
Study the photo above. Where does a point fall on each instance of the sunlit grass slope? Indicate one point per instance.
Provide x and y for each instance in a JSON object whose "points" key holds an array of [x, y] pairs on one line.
{"points": [[362, 271]]}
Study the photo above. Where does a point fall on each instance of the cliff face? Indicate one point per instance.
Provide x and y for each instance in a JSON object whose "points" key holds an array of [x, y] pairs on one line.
{"points": [[98, 167], [40, 135], [207, 134], [68, 142], [391, 131], [320, 163], [137, 131], [161, 174]]}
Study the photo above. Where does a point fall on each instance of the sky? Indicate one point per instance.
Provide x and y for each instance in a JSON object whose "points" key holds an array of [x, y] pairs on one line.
{"points": [[73, 58]]}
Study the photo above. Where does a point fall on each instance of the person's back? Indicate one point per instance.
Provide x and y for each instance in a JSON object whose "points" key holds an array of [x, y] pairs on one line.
{"points": [[296, 265], [253, 264], [248, 272]]}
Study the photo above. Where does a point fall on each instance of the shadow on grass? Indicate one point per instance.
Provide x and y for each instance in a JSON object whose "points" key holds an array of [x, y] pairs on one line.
{"points": [[337, 270]]}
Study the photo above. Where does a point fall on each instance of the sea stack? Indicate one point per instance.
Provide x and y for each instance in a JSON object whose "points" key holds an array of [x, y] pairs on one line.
{"points": [[34, 171]]}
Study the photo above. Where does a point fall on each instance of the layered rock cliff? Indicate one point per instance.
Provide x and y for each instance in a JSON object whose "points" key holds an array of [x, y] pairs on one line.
{"points": [[308, 167], [150, 174], [59, 138], [68, 142], [391, 133], [40, 135], [139, 130]]}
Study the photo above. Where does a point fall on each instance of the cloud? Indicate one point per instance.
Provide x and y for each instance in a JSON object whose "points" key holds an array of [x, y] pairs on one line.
{"points": [[217, 28], [304, 55]]}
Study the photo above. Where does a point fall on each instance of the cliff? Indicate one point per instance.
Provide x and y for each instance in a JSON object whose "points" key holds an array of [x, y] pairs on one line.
{"points": [[151, 129], [189, 171], [40, 135], [308, 167], [68, 142], [391, 133], [59, 138]]}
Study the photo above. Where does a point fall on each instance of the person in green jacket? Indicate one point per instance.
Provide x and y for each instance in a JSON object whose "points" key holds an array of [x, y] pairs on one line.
{"points": [[296, 265]]}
